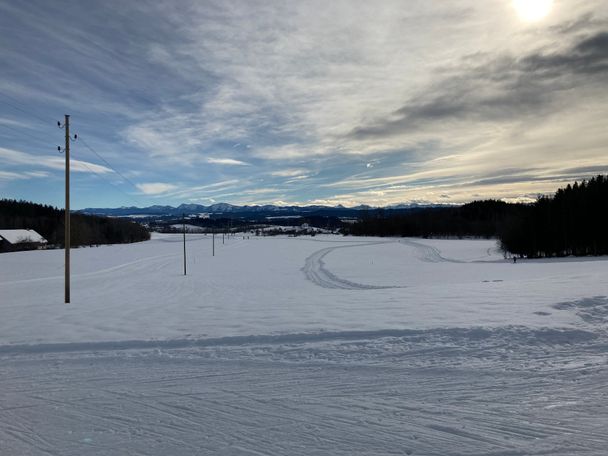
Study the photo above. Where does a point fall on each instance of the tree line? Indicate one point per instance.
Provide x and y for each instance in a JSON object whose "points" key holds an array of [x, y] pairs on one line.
{"points": [[574, 221], [49, 222], [478, 219]]}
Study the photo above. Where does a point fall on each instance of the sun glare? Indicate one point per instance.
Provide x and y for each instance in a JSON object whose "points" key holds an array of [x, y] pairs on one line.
{"points": [[532, 10]]}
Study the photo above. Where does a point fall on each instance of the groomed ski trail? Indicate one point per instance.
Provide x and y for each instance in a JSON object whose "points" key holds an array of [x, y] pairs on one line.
{"points": [[315, 271]]}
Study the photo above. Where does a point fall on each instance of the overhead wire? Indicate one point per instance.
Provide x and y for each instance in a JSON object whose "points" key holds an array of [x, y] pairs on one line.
{"points": [[101, 175], [106, 162], [80, 139], [28, 112], [23, 133]]}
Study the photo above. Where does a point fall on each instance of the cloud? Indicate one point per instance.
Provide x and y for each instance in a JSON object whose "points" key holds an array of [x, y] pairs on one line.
{"points": [[588, 56], [449, 98], [291, 172], [226, 161], [585, 23], [199, 190], [79, 166], [155, 188], [48, 161], [13, 123], [260, 191], [8, 175], [297, 178], [488, 88], [36, 174]]}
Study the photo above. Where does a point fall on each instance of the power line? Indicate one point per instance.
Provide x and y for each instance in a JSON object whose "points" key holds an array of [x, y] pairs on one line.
{"points": [[45, 120], [83, 163], [23, 133], [29, 113], [122, 176], [107, 163]]}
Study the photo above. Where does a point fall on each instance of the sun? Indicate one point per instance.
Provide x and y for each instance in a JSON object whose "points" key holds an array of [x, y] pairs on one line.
{"points": [[532, 10]]}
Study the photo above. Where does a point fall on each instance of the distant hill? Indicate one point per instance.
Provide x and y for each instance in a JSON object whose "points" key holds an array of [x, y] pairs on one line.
{"points": [[255, 211], [86, 229]]}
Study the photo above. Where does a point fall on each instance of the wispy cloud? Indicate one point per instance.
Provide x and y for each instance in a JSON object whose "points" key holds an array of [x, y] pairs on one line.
{"points": [[16, 157], [7, 175], [155, 188], [226, 161], [292, 172], [364, 103], [201, 191], [490, 88]]}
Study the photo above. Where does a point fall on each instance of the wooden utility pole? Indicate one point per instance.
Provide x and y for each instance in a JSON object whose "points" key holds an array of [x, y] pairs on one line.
{"points": [[184, 229], [67, 209]]}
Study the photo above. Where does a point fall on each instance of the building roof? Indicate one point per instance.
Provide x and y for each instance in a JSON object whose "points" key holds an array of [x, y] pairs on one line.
{"points": [[18, 236]]}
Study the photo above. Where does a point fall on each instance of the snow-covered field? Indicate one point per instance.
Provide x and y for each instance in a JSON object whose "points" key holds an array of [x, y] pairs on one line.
{"points": [[303, 346]]}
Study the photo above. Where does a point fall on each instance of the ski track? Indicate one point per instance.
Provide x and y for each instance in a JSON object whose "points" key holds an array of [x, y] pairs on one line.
{"points": [[315, 270], [154, 262], [508, 391], [428, 253], [474, 391]]}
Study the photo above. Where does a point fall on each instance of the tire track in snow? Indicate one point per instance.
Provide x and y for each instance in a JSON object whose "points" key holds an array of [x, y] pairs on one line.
{"points": [[428, 253], [129, 266], [315, 271]]}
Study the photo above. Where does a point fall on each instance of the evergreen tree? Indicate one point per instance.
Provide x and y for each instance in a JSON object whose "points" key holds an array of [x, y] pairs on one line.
{"points": [[85, 229]]}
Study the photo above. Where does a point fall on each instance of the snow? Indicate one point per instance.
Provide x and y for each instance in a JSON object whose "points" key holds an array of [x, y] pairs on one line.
{"points": [[308, 345], [189, 228], [292, 228], [17, 236]]}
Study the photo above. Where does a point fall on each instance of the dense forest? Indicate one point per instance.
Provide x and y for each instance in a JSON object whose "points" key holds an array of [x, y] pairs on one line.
{"points": [[572, 222], [85, 229], [479, 219]]}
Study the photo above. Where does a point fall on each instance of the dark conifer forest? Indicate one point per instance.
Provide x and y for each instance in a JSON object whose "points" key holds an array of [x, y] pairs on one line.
{"points": [[85, 229], [572, 222], [477, 219]]}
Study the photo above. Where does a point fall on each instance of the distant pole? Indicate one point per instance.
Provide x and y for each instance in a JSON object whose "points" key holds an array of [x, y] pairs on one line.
{"points": [[213, 244], [184, 230], [67, 209], [223, 238]]}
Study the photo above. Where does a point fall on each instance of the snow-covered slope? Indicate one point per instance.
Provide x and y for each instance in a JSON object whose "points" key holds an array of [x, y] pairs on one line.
{"points": [[324, 345], [282, 285]]}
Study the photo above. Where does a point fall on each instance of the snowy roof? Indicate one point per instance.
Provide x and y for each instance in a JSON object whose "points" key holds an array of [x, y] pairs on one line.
{"points": [[17, 236]]}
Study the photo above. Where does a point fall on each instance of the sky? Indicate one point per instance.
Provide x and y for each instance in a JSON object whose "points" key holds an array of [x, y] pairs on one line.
{"points": [[301, 102]]}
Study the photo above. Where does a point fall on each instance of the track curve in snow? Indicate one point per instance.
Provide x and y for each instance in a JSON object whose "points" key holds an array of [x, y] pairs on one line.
{"points": [[315, 271], [428, 253]]}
